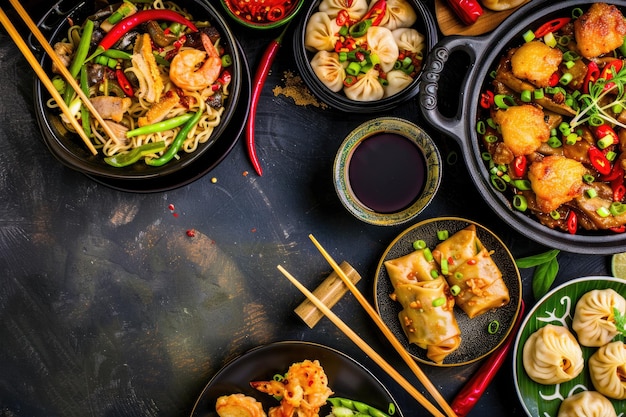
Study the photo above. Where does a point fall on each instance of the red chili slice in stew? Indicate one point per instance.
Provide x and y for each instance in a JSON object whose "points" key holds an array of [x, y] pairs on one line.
{"points": [[551, 26]]}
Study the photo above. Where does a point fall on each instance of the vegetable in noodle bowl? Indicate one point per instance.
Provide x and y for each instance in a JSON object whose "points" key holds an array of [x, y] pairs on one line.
{"points": [[552, 122], [366, 50], [158, 71]]}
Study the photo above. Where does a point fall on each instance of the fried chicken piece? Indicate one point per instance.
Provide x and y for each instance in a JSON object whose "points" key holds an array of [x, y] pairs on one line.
{"points": [[600, 30], [523, 128], [536, 62], [555, 180], [238, 405]]}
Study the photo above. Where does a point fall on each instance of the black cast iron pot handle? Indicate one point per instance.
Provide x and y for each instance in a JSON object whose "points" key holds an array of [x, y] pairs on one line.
{"points": [[436, 62]]}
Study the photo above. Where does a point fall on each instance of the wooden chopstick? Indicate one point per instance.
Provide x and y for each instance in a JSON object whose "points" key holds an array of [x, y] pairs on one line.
{"points": [[387, 332], [61, 67], [26, 52], [391, 371]]}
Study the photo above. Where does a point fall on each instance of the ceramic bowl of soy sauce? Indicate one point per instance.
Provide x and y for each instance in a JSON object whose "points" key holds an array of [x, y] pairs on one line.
{"points": [[387, 171]]}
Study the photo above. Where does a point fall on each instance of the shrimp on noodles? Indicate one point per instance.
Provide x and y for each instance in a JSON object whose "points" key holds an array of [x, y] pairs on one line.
{"points": [[304, 390], [185, 73]]}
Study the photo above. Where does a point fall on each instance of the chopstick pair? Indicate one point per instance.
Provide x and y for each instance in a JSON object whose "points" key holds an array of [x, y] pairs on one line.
{"points": [[41, 74], [386, 331]]}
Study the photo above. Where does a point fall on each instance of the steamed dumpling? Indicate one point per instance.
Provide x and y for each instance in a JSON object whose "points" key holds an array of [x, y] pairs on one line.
{"points": [[409, 39], [329, 70], [396, 81], [587, 404], [355, 8], [607, 368], [381, 42], [367, 88], [552, 355], [594, 320], [321, 33], [399, 14]]}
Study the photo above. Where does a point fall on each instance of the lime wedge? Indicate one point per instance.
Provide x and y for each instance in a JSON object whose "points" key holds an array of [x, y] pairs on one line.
{"points": [[618, 265]]}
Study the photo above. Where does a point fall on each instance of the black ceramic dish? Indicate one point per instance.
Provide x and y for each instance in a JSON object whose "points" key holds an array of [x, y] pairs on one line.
{"points": [[425, 24], [346, 377], [483, 52], [476, 342], [69, 149]]}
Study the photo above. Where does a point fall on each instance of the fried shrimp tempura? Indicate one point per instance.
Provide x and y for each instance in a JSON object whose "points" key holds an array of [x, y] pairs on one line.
{"points": [[238, 405]]}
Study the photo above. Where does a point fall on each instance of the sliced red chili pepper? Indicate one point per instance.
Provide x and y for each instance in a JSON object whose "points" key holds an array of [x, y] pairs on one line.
{"points": [[618, 229], [612, 67], [600, 132], [467, 10], [554, 79], [551, 26], [520, 164], [342, 17], [376, 12], [572, 222], [616, 172], [349, 80], [132, 21], [124, 83], [593, 72], [276, 13], [599, 161], [486, 99]]}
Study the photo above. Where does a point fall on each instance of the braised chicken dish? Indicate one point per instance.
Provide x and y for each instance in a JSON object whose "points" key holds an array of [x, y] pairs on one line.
{"points": [[552, 122]]}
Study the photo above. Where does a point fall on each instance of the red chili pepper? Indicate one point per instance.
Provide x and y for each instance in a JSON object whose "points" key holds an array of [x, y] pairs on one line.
{"points": [[616, 172], [554, 79], [259, 80], [478, 383], [123, 82], [276, 13], [593, 72], [132, 21], [608, 72], [486, 99], [376, 12], [551, 26], [467, 10], [342, 17], [600, 132], [599, 161], [572, 222], [618, 229], [520, 163], [619, 190]]}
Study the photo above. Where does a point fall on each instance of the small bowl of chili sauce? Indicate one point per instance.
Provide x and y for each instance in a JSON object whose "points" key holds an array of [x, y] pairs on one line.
{"points": [[262, 14], [387, 171]]}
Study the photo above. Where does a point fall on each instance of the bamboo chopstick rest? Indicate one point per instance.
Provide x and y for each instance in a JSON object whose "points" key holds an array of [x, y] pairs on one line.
{"points": [[329, 292]]}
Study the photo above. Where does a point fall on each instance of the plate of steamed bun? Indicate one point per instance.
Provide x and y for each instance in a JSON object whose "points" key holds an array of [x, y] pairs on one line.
{"points": [[570, 356]]}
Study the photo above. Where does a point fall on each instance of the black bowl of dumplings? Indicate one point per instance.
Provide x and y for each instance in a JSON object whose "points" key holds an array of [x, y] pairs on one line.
{"points": [[407, 28]]}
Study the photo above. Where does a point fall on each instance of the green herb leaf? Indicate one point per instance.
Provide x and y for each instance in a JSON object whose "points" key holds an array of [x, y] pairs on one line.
{"points": [[534, 260], [544, 276], [620, 321]]}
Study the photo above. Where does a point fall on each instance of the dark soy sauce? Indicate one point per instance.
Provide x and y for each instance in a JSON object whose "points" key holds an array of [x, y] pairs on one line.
{"points": [[387, 172]]}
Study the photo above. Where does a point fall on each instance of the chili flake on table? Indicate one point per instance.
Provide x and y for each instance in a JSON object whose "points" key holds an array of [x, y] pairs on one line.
{"points": [[261, 11]]}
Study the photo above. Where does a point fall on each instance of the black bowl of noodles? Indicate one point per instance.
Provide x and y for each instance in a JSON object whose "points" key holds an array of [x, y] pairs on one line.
{"points": [[356, 62], [169, 100]]}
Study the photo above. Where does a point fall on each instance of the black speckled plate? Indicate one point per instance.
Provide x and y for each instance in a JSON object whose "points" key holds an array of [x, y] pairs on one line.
{"points": [[346, 377], [476, 342]]}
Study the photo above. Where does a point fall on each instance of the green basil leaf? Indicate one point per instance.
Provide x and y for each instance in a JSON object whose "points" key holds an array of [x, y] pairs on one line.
{"points": [[620, 321], [534, 260], [544, 276]]}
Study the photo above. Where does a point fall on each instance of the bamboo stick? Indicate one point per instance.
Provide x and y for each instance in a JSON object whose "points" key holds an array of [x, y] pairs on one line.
{"points": [[390, 370], [387, 332], [41, 74], [61, 67]]}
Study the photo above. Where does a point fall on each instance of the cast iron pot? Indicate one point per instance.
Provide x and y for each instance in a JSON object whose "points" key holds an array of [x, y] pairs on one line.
{"points": [[483, 52], [69, 149], [425, 24]]}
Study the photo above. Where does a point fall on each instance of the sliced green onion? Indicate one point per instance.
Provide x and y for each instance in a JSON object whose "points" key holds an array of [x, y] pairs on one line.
{"points": [[353, 68], [444, 267], [490, 138], [503, 101], [554, 142], [428, 255], [605, 142], [550, 40], [480, 127], [526, 96], [591, 193], [491, 123], [577, 12], [493, 327], [611, 155], [588, 178], [458, 275], [486, 156], [419, 244], [571, 139], [498, 183], [522, 185], [603, 212], [528, 36], [442, 234], [519, 202], [538, 94], [616, 208], [566, 78], [434, 273], [555, 215], [455, 290], [438, 302], [564, 128]]}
